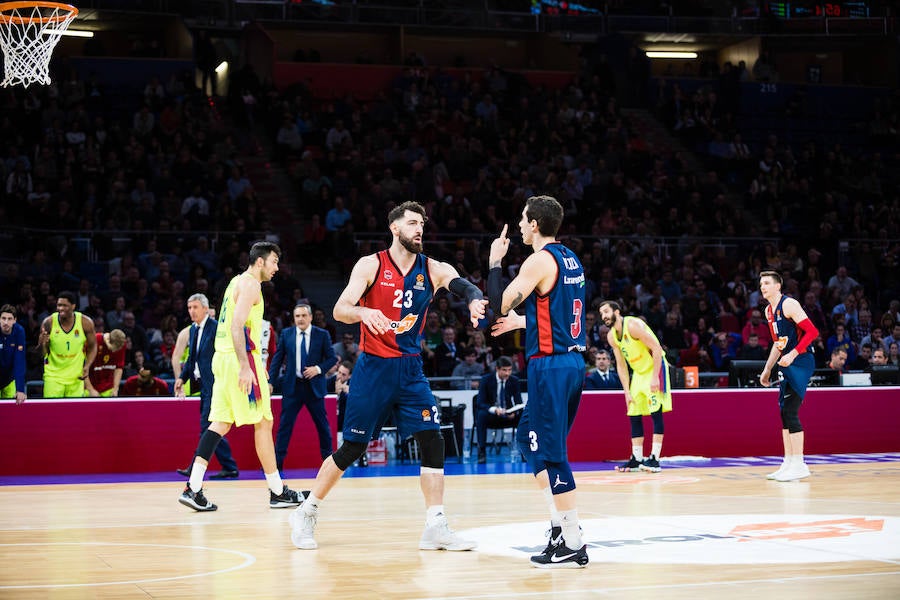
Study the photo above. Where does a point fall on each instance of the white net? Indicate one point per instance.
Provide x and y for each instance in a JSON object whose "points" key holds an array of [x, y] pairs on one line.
{"points": [[29, 32]]}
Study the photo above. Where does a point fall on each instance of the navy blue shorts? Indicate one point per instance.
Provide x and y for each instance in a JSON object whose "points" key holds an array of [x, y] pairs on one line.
{"points": [[380, 387], [797, 375], [554, 390]]}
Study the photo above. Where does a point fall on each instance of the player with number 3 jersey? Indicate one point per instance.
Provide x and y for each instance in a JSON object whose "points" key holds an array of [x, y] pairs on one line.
{"points": [[550, 283]]}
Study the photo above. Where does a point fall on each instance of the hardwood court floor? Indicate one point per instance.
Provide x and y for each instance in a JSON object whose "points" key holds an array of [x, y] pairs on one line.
{"points": [[682, 533]]}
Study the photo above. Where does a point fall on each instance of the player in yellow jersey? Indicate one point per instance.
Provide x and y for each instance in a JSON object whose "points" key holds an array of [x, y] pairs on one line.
{"points": [[647, 389], [70, 345], [240, 393]]}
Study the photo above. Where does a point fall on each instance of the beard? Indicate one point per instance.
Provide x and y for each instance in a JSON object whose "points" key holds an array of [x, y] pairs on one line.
{"points": [[610, 322], [410, 244]]}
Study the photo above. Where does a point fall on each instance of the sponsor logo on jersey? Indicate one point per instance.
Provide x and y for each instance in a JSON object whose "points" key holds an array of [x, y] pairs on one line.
{"points": [[420, 282], [426, 414], [578, 279], [404, 324], [388, 274]]}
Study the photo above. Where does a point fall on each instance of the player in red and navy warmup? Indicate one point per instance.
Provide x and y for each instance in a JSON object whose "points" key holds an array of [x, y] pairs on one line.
{"points": [[792, 336], [389, 294], [550, 283]]}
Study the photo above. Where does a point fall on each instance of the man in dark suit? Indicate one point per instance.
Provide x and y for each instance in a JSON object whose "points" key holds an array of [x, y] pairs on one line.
{"points": [[307, 356], [603, 378], [197, 370], [497, 393]]}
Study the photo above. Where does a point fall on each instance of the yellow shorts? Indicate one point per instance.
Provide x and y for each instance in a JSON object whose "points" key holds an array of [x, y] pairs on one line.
{"points": [[54, 388], [8, 391], [645, 401], [229, 403]]}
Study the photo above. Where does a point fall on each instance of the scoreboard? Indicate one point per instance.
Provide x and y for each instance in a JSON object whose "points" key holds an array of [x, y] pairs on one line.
{"points": [[805, 10]]}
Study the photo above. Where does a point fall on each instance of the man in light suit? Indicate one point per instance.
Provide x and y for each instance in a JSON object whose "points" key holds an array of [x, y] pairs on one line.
{"points": [[603, 378], [197, 370], [497, 392], [307, 355]]}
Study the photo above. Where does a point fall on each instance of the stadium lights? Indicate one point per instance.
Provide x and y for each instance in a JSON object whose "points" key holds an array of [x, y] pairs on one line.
{"points": [[667, 54], [223, 66], [70, 32]]}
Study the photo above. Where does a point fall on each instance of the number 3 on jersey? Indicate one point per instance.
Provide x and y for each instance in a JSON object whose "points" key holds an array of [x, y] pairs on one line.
{"points": [[402, 299], [575, 327]]}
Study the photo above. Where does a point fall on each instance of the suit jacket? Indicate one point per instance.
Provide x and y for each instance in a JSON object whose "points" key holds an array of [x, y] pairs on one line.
{"points": [[320, 354], [445, 360], [487, 392], [202, 358], [595, 382]]}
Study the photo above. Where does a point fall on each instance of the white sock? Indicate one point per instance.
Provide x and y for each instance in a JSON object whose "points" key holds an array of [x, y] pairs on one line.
{"points": [[656, 450], [273, 479], [638, 452], [570, 530], [196, 480], [432, 513], [554, 514], [311, 505], [788, 459], [797, 459]]}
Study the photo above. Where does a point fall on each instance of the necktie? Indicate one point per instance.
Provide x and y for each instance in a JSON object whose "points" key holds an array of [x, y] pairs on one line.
{"points": [[501, 399], [302, 352], [605, 378]]}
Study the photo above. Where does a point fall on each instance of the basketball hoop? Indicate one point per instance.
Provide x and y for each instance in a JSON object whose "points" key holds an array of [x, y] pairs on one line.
{"points": [[29, 32]]}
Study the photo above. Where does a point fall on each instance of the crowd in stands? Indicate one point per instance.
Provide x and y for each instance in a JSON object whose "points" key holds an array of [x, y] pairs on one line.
{"points": [[471, 146]]}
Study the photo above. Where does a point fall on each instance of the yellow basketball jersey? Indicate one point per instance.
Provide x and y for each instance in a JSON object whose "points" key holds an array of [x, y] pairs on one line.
{"points": [[252, 326], [635, 351], [66, 358]]}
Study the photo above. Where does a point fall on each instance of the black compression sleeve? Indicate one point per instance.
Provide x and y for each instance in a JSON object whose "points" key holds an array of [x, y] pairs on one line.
{"points": [[465, 289], [495, 289]]}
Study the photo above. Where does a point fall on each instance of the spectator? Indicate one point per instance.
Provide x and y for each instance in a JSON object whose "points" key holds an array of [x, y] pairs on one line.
{"points": [[347, 348], [862, 362], [498, 392], [145, 384], [753, 350], [468, 372], [879, 358], [842, 282], [841, 339], [838, 360], [446, 356], [754, 325], [603, 377]]}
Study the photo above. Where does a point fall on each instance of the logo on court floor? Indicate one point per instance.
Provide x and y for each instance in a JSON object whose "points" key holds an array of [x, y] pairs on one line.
{"points": [[712, 539]]}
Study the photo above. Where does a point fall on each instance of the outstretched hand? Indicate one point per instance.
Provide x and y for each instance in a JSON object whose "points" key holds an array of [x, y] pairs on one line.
{"points": [[510, 322], [477, 309]]}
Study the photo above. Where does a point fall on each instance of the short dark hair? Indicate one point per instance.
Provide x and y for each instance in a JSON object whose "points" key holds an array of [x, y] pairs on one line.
{"points": [[67, 296], [775, 275], [263, 250], [468, 351], [615, 306], [398, 211], [10, 309], [548, 213], [504, 361], [348, 364]]}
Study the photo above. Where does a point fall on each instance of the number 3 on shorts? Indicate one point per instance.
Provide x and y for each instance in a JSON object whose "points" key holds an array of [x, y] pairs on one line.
{"points": [[533, 446]]}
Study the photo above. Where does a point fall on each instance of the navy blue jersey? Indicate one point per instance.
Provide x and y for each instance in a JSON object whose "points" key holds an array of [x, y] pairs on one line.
{"points": [[784, 331], [12, 358], [555, 320]]}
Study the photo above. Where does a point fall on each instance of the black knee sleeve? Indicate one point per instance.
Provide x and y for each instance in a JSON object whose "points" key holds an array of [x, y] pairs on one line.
{"points": [[431, 443], [637, 426], [658, 426], [790, 411], [208, 442], [347, 454]]}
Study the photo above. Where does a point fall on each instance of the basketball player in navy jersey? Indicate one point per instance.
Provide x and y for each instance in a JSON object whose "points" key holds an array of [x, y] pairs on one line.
{"points": [[792, 335], [550, 283], [389, 294]]}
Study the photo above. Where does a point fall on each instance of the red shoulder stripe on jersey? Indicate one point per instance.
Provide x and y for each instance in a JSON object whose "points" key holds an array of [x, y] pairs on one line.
{"points": [[545, 328]]}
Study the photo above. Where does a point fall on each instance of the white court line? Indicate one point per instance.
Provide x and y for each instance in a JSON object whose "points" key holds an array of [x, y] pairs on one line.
{"points": [[249, 559], [672, 586]]}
